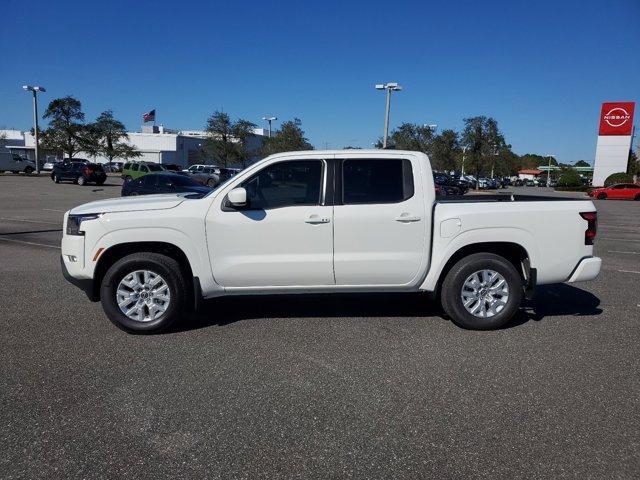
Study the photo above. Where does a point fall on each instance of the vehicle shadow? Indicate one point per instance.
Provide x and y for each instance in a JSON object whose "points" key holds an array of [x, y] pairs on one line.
{"points": [[557, 300], [550, 301], [227, 310]]}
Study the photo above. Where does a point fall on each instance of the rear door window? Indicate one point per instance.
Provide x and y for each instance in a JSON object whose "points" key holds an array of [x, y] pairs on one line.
{"points": [[376, 181], [134, 167]]}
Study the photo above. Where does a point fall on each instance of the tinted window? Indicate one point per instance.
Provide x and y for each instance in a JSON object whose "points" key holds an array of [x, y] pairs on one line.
{"points": [[285, 184], [127, 165], [149, 180], [154, 168], [144, 169], [134, 167], [182, 181], [376, 181]]}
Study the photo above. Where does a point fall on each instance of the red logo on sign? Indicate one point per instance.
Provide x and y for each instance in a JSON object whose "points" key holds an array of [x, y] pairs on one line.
{"points": [[616, 118]]}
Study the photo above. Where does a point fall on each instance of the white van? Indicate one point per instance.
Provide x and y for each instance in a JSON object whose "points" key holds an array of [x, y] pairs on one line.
{"points": [[13, 162]]}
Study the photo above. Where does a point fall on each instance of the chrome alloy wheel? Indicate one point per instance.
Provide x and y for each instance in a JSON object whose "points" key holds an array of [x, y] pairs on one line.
{"points": [[143, 295], [484, 293]]}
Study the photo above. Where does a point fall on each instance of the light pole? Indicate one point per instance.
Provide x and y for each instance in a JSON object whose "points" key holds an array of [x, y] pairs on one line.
{"points": [[549, 170], [389, 87], [464, 152], [35, 90], [269, 119]]}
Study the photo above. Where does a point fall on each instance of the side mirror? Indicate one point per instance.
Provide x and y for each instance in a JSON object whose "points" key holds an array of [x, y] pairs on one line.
{"points": [[238, 197]]}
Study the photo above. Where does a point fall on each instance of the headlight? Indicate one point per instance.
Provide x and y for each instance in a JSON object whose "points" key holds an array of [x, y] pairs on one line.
{"points": [[74, 222]]}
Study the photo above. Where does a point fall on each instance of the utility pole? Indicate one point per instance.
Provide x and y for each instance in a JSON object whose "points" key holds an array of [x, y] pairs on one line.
{"points": [[389, 87], [35, 91]]}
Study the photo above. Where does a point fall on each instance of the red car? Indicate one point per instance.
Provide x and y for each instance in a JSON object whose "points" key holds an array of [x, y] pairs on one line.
{"points": [[620, 191]]}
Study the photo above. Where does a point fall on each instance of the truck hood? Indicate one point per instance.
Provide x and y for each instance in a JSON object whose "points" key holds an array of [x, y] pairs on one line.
{"points": [[131, 204]]}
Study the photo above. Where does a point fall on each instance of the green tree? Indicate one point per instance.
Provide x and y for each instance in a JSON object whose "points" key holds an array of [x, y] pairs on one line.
{"points": [[227, 141], [569, 178], [106, 137], [66, 132], [581, 163], [289, 138], [411, 136], [444, 151], [483, 140], [620, 177]]}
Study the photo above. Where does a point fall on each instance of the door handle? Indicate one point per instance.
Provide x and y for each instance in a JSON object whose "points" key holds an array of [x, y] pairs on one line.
{"points": [[315, 219], [406, 218]]}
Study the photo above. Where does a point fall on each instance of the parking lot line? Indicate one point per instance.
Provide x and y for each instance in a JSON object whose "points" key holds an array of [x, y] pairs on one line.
{"points": [[11, 240], [622, 251], [628, 271], [52, 210], [28, 221]]}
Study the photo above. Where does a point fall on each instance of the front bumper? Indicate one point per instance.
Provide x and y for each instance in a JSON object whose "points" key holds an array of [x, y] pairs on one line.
{"points": [[587, 269], [84, 284]]}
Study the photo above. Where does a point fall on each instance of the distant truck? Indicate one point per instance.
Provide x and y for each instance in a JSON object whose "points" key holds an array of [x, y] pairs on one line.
{"points": [[324, 222], [11, 162]]}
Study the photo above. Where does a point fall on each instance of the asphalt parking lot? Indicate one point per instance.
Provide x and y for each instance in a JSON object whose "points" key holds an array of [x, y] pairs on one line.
{"points": [[362, 386]]}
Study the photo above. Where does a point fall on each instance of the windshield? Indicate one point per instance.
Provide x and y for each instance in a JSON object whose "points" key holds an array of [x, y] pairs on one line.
{"points": [[153, 167]]}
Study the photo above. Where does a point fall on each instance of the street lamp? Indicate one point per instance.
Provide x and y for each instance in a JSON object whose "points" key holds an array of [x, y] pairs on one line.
{"points": [[269, 119], [389, 87], [35, 90], [549, 170]]}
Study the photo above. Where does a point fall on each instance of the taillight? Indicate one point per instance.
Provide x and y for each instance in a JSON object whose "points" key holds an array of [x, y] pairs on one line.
{"points": [[592, 226]]}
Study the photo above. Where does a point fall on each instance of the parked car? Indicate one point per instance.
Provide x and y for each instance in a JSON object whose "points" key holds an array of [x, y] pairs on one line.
{"points": [[448, 185], [49, 164], [619, 191], [209, 176], [172, 167], [133, 170], [273, 228], [12, 162], [113, 167], [530, 183], [518, 183], [163, 182], [227, 173], [78, 172], [195, 168]]}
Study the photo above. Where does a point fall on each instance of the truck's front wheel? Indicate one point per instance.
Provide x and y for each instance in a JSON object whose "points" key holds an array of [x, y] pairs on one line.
{"points": [[482, 291], [143, 292]]}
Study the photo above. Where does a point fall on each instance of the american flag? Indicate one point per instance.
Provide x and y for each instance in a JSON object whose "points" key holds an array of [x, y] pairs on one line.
{"points": [[149, 116]]}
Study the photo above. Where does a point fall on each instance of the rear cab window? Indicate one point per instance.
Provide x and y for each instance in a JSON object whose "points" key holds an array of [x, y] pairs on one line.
{"points": [[375, 181]]}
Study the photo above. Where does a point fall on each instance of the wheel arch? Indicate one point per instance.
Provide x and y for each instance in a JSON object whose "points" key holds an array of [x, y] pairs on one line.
{"points": [[514, 252], [115, 252]]}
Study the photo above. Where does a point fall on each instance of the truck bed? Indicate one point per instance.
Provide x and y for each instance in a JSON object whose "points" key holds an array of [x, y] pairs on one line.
{"points": [[504, 197]]}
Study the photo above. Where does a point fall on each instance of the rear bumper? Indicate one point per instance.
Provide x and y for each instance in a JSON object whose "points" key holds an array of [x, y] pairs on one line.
{"points": [[587, 269], [84, 284]]}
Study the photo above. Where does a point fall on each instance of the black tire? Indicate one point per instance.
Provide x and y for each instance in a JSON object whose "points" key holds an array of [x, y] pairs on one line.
{"points": [[211, 182], [452, 288], [602, 196], [29, 170], [168, 268], [637, 197], [101, 182]]}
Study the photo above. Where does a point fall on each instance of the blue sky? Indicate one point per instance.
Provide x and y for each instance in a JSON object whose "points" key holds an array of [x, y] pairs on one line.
{"points": [[540, 68]]}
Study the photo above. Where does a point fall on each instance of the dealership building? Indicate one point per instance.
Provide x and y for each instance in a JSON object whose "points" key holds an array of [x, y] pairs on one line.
{"points": [[155, 144]]}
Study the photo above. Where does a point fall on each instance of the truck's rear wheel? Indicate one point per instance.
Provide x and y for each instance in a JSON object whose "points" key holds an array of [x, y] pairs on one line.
{"points": [[482, 291], [143, 292]]}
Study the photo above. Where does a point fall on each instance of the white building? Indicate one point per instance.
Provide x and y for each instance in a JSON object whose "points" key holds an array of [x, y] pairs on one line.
{"points": [[155, 144]]}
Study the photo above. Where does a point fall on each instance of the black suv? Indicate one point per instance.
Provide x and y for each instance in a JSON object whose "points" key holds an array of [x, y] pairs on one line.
{"points": [[78, 172]]}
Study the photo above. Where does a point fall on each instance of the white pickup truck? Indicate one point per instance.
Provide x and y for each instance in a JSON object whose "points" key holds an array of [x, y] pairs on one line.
{"points": [[325, 221]]}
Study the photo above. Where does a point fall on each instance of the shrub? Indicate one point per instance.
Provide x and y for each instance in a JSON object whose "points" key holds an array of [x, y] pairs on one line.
{"points": [[619, 177], [570, 178]]}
